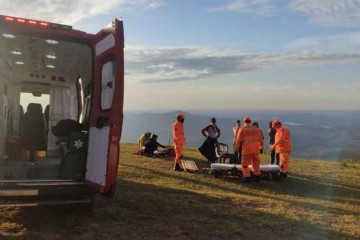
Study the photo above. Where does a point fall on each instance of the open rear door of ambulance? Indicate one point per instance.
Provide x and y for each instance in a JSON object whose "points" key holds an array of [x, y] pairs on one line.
{"points": [[106, 113]]}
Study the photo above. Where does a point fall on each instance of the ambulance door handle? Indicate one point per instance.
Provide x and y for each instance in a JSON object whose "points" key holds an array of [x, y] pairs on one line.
{"points": [[100, 122]]}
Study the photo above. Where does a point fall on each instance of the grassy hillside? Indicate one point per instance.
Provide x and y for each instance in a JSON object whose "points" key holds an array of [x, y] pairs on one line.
{"points": [[319, 200]]}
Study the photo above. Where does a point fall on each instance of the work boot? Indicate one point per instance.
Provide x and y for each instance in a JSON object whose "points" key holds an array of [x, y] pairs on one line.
{"points": [[246, 180], [177, 167], [210, 162], [283, 175], [256, 178]]}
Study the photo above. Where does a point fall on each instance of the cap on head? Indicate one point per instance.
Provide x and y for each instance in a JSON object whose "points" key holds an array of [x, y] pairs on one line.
{"points": [[180, 115], [275, 122], [247, 119]]}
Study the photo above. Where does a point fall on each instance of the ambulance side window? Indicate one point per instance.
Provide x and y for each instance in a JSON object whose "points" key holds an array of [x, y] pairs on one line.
{"points": [[108, 80]]}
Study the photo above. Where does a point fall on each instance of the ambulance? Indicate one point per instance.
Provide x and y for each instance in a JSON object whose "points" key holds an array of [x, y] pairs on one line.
{"points": [[61, 111]]}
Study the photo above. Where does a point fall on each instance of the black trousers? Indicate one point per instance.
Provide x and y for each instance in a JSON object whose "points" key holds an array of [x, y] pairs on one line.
{"points": [[273, 156], [208, 148]]}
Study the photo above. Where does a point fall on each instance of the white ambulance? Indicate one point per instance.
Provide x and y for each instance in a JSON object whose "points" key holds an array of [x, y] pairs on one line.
{"points": [[61, 111]]}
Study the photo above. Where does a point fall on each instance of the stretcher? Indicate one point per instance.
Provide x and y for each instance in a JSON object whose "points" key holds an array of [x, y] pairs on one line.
{"points": [[189, 166], [267, 170]]}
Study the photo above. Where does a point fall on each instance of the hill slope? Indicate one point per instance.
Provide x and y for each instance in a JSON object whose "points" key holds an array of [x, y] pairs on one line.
{"points": [[319, 200]]}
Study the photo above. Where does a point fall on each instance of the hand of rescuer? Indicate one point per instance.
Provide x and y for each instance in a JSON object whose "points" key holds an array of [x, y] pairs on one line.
{"points": [[271, 148]]}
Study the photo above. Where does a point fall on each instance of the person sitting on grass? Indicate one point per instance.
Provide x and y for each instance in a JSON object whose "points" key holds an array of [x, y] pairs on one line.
{"points": [[143, 139], [151, 146]]}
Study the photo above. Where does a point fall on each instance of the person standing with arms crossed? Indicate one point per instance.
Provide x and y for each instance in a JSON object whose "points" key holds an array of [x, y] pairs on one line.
{"points": [[212, 133], [236, 129], [179, 139], [273, 155], [282, 146], [250, 139]]}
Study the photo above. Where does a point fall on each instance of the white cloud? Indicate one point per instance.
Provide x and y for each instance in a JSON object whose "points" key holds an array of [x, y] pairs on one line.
{"points": [[331, 13], [68, 12], [340, 42], [216, 94], [153, 65], [260, 7]]}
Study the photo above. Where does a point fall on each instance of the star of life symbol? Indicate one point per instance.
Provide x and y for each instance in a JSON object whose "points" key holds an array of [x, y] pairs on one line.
{"points": [[78, 144]]}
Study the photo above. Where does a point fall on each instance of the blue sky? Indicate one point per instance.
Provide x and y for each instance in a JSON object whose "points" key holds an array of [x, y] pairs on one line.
{"points": [[237, 54]]}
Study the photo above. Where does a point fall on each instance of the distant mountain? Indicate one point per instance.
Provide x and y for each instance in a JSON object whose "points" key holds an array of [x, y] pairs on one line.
{"points": [[330, 135]]}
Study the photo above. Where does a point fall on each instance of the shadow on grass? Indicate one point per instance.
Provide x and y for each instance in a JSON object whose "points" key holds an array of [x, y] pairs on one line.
{"points": [[144, 211], [198, 216], [308, 195], [330, 181], [306, 187], [292, 187]]}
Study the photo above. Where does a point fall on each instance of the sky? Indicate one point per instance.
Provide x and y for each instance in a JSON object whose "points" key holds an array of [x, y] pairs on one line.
{"points": [[225, 54]]}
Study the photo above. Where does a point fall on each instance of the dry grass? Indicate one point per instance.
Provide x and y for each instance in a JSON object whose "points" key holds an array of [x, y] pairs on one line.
{"points": [[319, 200]]}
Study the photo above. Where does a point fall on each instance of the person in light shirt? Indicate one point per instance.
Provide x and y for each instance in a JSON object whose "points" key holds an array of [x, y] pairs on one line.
{"points": [[208, 148]]}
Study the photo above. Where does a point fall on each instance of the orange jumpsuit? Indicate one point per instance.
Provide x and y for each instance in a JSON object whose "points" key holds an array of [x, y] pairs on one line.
{"points": [[179, 140], [283, 147], [251, 140]]}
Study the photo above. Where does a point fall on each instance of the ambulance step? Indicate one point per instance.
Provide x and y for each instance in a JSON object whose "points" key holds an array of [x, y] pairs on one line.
{"points": [[35, 183], [45, 203], [19, 192], [33, 194]]}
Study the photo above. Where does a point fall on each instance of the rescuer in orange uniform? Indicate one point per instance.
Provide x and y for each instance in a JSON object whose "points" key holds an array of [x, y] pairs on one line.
{"points": [[250, 139], [179, 139], [282, 146]]}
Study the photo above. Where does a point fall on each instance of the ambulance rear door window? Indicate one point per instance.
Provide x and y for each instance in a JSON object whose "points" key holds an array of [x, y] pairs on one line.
{"points": [[108, 81]]}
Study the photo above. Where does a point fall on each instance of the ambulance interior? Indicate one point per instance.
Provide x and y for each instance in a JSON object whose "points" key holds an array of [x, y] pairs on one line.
{"points": [[42, 81]]}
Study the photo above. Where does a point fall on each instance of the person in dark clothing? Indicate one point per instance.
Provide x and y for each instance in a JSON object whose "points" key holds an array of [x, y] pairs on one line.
{"points": [[236, 129], [143, 139], [212, 133], [256, 124], [273, 154], [152, 145]]}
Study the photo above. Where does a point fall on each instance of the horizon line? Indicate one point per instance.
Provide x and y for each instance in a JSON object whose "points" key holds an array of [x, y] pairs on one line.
{"points": [[251, 110]]}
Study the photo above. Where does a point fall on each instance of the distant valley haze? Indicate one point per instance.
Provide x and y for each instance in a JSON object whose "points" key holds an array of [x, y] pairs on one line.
{"points": [[328, 135]]}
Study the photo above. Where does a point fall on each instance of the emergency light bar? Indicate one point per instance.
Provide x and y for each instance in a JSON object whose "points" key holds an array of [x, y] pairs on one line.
{"points": [[31, 22]]}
